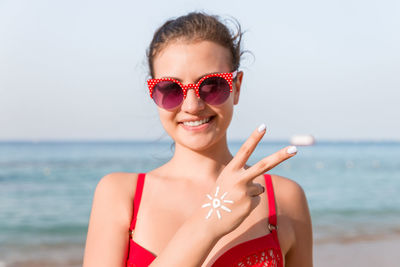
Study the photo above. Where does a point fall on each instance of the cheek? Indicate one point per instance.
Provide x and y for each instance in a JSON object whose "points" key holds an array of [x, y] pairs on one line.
{"points": [[228, 116], [226, 113], [167, 119]]}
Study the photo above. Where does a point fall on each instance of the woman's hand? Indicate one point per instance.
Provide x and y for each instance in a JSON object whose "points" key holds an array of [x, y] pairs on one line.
{"points": [[235, 195]]}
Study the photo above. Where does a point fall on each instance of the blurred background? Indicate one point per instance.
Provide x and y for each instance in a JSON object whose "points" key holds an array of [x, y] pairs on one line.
{"points": [[74, 107]]}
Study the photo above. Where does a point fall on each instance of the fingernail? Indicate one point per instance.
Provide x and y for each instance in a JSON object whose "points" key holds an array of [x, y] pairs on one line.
{"points": [[291, 150], [261, 128]]}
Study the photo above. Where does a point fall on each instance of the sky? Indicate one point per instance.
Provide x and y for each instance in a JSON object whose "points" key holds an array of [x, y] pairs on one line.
{"points": [[76, 69]]}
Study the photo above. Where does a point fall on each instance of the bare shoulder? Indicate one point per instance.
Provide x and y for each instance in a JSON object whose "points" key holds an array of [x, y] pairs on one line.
{"points": [[117, 189], [110, 218], [291, 198], [293, 210], [117, 181], [288, 191]]}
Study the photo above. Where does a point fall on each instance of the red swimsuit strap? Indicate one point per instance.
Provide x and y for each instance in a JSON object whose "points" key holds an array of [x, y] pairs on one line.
{"points": [[272, 218], [271, 200], [137, 198]]}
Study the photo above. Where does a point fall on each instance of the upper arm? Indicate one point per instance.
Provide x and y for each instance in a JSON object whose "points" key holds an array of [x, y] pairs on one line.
{"points": [[294, 201], [107, 236]]}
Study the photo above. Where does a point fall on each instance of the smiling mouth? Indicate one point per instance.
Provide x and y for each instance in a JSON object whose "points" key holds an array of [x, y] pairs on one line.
{"points": [[197, 123]]}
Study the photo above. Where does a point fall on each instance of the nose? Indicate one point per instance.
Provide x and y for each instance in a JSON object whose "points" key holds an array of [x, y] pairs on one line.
{"points": [[192, 103]]}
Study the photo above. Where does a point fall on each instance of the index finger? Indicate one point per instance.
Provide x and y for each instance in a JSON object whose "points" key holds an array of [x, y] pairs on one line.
{"points": [[241, 157]]}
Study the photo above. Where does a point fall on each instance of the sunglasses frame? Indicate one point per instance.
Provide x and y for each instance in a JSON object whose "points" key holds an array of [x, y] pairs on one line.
{"points": [[228, 76]]}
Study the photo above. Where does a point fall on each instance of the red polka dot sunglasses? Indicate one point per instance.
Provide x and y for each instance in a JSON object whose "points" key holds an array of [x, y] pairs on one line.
{"points": [[214, 89]]}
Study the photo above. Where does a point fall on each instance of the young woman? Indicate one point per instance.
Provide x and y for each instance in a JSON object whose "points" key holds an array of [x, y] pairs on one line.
{"points": [[204, 207]]}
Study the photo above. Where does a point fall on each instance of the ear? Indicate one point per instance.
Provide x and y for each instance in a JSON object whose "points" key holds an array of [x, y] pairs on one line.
{"points": [[237, 83]]}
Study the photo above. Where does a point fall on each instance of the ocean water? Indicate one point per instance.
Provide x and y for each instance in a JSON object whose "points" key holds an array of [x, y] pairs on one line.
{"points": [[46, 188]]}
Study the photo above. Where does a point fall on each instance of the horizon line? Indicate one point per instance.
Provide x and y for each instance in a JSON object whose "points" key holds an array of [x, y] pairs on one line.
{"points": [[158, 140]]}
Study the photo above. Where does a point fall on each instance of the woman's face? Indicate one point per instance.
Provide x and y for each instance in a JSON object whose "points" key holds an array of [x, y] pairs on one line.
{"points": [[188, 62]]}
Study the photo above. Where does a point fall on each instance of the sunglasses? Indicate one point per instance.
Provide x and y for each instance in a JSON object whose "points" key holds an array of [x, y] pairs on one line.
{"points": [[214, 89]]}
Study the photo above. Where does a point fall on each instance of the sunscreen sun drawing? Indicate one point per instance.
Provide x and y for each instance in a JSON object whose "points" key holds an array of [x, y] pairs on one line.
{"points": [[215, 204]]}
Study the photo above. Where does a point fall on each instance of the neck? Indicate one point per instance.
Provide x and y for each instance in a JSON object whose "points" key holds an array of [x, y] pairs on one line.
{"points": [[205, 164]]}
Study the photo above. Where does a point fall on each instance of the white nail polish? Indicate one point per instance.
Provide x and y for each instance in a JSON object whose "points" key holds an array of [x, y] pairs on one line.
{"points": [[261, 128], [291, 150]]}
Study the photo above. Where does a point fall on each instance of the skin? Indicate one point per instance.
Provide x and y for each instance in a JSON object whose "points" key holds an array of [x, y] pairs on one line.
{"points": [[173, 193]]}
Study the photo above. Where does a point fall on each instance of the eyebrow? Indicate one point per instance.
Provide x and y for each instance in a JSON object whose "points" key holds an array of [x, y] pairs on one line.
{"points": [[198, 79]]}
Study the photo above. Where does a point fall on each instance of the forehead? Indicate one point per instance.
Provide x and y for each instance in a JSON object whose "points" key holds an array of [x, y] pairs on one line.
{"points": [[191, 59]]}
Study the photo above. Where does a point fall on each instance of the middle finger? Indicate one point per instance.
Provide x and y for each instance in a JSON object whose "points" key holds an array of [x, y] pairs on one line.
{"points": [[270, 162]]}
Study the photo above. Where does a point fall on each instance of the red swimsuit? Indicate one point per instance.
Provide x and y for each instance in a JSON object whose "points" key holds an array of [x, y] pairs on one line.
{"points": [[263, 251]]}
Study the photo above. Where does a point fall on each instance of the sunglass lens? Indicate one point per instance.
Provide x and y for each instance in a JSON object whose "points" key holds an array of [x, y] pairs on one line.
{"points": [[214, 90], [167, 94]]}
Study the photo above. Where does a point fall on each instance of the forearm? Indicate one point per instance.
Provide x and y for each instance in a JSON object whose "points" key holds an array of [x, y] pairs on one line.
{"points": [[189, 247]]}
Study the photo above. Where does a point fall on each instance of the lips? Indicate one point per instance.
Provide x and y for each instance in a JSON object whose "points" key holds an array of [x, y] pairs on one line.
{"points": [[196, 122]]}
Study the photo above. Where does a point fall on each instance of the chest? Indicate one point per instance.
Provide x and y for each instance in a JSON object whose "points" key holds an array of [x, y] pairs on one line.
{"points": [[163, 211]]}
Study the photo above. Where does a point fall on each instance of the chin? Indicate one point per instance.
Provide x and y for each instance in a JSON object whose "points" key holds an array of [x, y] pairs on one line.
{"points": [[197, 144]]}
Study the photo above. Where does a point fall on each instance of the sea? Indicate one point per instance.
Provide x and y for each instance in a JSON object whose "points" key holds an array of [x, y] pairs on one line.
{"points": [[46, 188]]}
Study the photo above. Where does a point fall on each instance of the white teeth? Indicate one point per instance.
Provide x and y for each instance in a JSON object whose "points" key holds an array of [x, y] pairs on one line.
{"points": [[196, 123]]}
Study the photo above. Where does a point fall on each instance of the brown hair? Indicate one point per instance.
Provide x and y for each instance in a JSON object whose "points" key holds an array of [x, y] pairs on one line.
{"points": [[196, 26]]}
